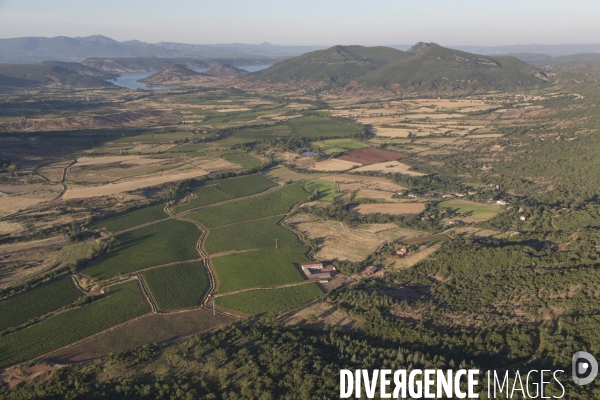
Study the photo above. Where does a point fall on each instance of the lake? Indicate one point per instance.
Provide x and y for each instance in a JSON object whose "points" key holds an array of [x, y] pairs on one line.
{"points": [[130, 79]]}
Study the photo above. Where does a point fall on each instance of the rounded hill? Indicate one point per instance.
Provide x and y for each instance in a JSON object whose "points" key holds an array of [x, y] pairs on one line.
{"points": [[438, 69], [338, 65]]}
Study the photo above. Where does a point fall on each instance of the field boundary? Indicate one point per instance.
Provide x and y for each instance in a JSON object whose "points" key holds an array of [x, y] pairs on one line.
{"points": [[139, 271], [225, 253], [269, 190], [142, 226], [263, 288], [250, 220], [147, 293]]}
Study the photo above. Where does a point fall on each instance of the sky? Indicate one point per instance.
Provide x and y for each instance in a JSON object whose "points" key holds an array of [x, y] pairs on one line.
{"points": [[309, 22]]}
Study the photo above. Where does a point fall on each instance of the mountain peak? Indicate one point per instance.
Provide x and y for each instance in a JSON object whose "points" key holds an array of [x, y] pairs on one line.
{"points": [[421, 46]]}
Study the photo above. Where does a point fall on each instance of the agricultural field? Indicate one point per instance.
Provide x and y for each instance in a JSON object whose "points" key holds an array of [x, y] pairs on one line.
{"points": [[161, 243], [155, 138], [370, 156], [282, 174], [247, 161], [256, 302], [309, 127], [337, 241], [123, 302], [430, 239], [246, 185], [130, 219], [257, 234], [476, 211], [325, 190], [274, 203], [149, 328], [334, 164], [191, 168], [216, 191], [349, 183], [333, 146], [387, 208], [259, 268], [389, 167], [422, 117], [175, 287], [205, 195], [37, 302]]}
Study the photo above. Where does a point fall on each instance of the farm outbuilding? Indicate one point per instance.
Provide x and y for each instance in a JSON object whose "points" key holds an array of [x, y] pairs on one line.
{"points": [[371, 269], [400, 252], [318, 271]]}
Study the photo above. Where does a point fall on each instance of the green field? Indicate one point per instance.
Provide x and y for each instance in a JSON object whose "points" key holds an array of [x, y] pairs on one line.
{"points": [[480, 211], [176, 286], [132, 218], [310, 127], [325, 190], [162, 243], [247, 161], [150, 328], [279, 173], [255, 302], [258, 234], [246, 185], [333, 146], [157, 138], [274, 203], [216, 191], [259, 268], [205, 195], [123, 302], [431, 239], [37, 302]]}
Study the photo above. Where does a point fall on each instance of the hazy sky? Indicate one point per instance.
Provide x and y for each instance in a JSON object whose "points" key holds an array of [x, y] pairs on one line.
{"points": [[309, 22]]}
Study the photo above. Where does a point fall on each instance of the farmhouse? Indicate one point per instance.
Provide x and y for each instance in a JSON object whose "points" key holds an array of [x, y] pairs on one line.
{"points": [[447, 196], [502, 202], [523, 218], [371, 270], [400, 252], [318, 271]]}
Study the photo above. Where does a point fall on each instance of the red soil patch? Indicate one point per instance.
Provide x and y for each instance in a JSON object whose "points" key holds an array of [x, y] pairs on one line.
{"points": [[370, 156]]}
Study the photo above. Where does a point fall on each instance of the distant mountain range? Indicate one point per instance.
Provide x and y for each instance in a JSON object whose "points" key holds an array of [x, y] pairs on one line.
{"points": [[554, 50], [423, 68], [35, 49], [29, 50]]}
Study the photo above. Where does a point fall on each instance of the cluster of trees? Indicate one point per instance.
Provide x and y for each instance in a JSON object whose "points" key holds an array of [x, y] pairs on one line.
{"points": [[267, 361]]}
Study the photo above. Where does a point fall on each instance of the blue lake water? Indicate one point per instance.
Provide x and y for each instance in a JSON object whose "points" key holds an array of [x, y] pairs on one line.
{"points": [[254, 68], [130, 79]]}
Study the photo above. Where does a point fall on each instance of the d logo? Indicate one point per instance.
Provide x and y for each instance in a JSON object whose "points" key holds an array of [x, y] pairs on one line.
{"points": [[584, 364]]}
